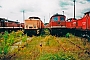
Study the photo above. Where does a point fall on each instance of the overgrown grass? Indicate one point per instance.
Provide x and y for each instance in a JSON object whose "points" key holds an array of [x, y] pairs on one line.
{"points": [[53, 48], [56, 56], [8, 39]]}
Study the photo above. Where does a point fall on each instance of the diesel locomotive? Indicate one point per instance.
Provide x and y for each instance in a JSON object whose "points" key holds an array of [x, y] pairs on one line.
{"points": [[33, 26], [8, 25]]}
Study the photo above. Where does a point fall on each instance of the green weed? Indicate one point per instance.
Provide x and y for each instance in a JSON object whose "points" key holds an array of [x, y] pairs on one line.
{"points": [[56, 56]]}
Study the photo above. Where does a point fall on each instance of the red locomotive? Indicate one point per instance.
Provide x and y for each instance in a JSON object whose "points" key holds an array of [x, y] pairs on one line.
{"points": [[57, 24], [71, 23], [83, 24], [8, 25]]}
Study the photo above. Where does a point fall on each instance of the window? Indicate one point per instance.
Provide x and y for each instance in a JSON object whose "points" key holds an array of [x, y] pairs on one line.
{"points": [[55, 18], [62, 18]]}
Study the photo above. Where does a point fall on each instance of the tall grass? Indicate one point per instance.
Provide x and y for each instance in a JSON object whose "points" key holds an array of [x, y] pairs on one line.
{"points": [[8, 39], [56, 56], [53, 48]]}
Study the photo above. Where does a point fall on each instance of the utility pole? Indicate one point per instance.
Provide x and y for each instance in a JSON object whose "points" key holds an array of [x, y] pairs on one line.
{"points": [[23, 15], [44, 19], [74, 9]]}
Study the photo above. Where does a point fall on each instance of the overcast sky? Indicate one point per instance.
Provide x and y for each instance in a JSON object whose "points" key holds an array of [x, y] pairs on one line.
{"points": [[12, 9]]}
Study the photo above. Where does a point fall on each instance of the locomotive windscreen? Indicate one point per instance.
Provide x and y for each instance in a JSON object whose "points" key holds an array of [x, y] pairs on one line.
{"points": [[55, 18], [62, 18]]}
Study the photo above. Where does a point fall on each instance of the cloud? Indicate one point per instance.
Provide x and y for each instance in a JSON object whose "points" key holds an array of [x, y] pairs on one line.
{"points": [[0, 6], [81, 7], [88, 0], [12, 9], [64, 3]]}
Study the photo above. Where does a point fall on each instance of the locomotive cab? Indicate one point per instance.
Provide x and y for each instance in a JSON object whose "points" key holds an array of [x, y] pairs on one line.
{"points": [[57, 24], [33, 26], [57, 21]]}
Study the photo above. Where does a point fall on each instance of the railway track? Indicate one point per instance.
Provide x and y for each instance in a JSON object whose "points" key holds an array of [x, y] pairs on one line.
{"points": [[84, 50], [76, 45]]}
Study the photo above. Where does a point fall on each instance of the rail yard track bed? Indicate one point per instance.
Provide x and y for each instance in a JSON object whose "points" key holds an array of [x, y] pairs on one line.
{"points": [[39, 46], [46, 47]]}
